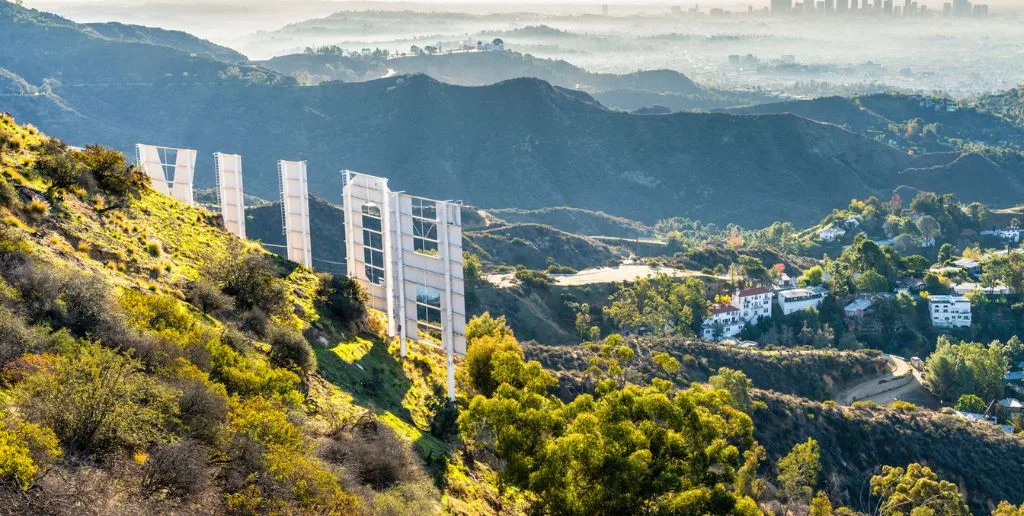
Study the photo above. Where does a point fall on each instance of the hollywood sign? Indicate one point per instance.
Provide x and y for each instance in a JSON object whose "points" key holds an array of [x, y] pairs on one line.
{"points": [[405, 251]]}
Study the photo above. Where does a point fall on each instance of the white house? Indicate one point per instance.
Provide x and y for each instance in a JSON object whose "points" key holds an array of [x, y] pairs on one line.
{"points": [[497, 45], [754, 304], [950, 311], [968, 287], [1006, 235], [725, 318], [831, 234], [801, 299]]}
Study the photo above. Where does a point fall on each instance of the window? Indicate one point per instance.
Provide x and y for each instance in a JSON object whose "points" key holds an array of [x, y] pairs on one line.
{"points": [[428, 311], [424, 227], [373, 244]]}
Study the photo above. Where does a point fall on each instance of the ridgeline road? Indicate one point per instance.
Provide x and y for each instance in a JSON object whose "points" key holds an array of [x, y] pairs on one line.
{"points": [[901, 381], [626, 272]]}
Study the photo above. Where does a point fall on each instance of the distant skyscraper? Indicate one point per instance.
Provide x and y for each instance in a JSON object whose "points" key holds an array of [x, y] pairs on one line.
{"points": [[781, 7], [842, 6], [604, 9]]}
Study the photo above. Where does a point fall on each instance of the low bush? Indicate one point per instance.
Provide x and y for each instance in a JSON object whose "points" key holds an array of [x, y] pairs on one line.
{"points": [[374, 453], [181, 468], [289, 349]]}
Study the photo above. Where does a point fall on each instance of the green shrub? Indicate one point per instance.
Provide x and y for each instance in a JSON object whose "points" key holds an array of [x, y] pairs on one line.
{"points": [[289, 349], [344, 299], [97, 400], [25, 448], [207, 297], [252, 279]]}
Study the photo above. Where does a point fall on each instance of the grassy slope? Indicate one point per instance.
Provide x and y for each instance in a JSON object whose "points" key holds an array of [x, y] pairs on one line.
{"points": [[158, 244]]}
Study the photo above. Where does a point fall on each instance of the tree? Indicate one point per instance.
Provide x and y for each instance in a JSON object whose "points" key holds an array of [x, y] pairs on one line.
{"points": [[929, 227], [737, 384], [926, 203], [59, 166], [623, 451], [1007, 509], [1008, 270], [1013, 350], [970, 403], [812, 276], [112, 173], [484, 324], [839, 278], [916, 490], [966, 368], [915, 264], [659, 303], [821, 505], [583, 321], [798, 471], [343, 298], [871, 281], [487, 337], [753, 269], [904, 243], [946, 253]]}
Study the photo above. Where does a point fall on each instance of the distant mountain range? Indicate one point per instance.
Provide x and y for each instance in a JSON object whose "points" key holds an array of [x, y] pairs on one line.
{"points": [[631, 91], [521, 143]]}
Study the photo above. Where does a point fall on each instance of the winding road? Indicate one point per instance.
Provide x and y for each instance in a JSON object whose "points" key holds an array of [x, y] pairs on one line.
{"points": [[901, 382]]}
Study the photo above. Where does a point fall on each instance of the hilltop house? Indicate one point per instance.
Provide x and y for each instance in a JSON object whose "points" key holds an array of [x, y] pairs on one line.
{"points": [[831, 234], [969, 287], [754, 304], [950, 311], [791, 301], [498, 45], [724, 321]]}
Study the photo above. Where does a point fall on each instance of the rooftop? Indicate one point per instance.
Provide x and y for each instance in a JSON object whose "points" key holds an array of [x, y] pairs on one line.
{"points": [[948, 299], [722, 309], [1011, 403], [753, 291], [858, 305], [802, 292]]}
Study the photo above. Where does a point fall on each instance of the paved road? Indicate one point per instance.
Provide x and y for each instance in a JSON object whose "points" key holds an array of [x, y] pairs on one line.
{"points": [[629, 272], [886, 388]]}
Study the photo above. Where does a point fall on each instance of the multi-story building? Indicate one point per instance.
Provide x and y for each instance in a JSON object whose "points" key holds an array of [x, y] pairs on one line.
{"points": [[781, 7], [723, 322], [754, 304], [798, 299], [950, 311]]}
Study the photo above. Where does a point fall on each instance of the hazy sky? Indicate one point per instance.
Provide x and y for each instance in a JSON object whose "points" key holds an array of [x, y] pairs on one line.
{"points": [[455, 3]]}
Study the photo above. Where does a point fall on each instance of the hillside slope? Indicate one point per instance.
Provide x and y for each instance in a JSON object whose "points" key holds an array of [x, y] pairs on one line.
{"points": [[152, 363], [855, 441], [171, 38]]}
